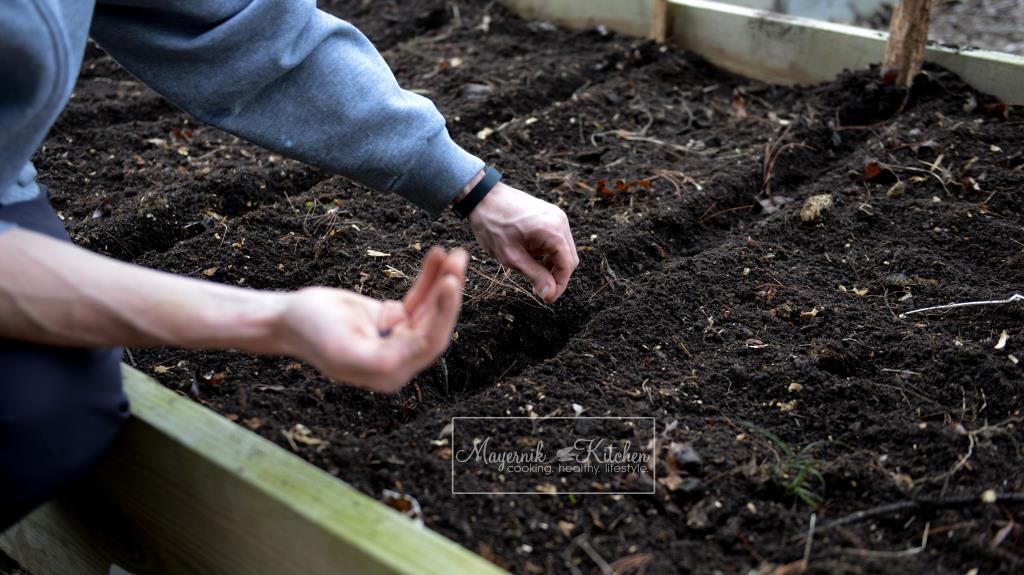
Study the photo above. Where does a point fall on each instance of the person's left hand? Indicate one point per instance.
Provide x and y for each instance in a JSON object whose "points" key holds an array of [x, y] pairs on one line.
{"points": [[529, 235], [379, 345]]}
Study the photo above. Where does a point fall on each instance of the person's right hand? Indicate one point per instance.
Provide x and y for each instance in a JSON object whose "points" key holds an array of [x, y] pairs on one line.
{"points": [[529, 235], [379, 345]]}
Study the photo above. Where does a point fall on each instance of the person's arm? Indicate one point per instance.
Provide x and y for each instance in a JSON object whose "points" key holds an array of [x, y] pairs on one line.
{"points": [[295, 80], [55, 293], [309, 86]]}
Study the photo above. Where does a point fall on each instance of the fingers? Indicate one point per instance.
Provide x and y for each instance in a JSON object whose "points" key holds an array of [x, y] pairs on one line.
{"points": [[391, 314], [432, 264], [561, 263], [437, 328], [413, 347], [453, 267], [544, 284], [414, 344], [436, 264], [455, 264], [572, 246]]}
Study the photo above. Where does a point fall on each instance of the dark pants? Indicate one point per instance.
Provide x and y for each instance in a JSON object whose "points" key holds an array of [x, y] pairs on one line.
{"points": [[60, 408]]}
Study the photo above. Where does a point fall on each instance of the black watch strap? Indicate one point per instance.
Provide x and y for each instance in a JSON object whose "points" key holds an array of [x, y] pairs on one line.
{"points": [[465, 206]]}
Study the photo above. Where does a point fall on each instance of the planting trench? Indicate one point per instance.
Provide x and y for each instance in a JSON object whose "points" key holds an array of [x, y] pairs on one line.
{"points": [[700, 300]]}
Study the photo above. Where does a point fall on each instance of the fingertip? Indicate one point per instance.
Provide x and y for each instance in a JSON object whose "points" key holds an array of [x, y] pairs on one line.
{"points": [[457, 261], [435, 256], [451, 291], [545, 291]]}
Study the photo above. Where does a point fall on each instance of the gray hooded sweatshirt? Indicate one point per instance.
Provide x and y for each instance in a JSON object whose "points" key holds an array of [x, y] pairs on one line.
{"points": [[279, 73]]}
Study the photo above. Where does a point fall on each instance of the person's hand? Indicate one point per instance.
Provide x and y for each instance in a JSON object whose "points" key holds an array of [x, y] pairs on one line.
{"points": [[529, 235], [375, 344]]}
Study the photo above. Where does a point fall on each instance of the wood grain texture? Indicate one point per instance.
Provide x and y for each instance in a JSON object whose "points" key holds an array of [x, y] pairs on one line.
{"points": [[659, 21], [776, 48], [184, 491], [908, 34]]}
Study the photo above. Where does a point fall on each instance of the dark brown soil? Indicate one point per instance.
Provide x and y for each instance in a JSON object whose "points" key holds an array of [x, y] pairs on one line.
{"points": [[698, 301]]}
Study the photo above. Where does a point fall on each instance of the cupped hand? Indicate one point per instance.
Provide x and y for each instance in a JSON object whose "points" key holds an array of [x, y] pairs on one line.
{"points": [[379, 345], [529, 235]]}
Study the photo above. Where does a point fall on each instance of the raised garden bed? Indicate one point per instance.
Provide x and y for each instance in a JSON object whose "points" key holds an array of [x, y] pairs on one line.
{"points": [[769, 343]]}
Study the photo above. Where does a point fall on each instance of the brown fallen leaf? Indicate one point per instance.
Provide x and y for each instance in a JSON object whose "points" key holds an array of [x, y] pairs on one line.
{"points": [[874, 171], [403, 503]]}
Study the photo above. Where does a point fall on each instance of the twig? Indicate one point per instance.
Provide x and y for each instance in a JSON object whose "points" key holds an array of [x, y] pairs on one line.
{"points": [[894, 554], [131, 357], [708, 214], [921, 504], [902, 372], [772, 151], [810, 541], [1011, 299]]}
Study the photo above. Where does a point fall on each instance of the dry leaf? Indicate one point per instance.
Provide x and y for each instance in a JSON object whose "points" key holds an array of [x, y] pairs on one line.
{"points": [[404, 504], [301, 434]]}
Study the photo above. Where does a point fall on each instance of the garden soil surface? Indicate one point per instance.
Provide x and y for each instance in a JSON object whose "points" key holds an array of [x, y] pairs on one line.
{"points": [[765, 339]]}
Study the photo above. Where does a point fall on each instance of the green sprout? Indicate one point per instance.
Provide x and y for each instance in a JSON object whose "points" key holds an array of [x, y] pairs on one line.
{"points": [[796, 472]]}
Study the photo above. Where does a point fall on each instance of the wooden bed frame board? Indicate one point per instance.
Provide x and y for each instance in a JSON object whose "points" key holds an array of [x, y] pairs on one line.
{"points": [[185, 491], [771, 47]]}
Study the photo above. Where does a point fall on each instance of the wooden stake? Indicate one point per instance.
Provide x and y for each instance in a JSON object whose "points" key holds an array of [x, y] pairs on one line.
{"points": [[659, 21], [908, 34]]}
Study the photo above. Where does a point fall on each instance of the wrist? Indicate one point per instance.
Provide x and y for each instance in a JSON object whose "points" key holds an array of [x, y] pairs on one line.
{"points": [[469, 187], [490, 200], [252, 321]]}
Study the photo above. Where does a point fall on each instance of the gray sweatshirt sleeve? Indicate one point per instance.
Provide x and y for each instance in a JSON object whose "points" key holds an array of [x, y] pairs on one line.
{"points": [[295, 80]]}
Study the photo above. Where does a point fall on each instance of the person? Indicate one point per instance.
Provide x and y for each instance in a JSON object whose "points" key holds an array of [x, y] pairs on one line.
{"points": [[281, 74]]}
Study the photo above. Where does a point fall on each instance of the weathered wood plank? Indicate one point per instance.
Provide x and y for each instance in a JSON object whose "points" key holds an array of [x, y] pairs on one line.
{"points": [[630, 17], [185, 491], [774, 47], [659, 21]]}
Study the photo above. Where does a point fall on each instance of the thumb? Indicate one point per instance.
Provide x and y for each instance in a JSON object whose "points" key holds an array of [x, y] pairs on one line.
{"points": [[542, 280]]}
